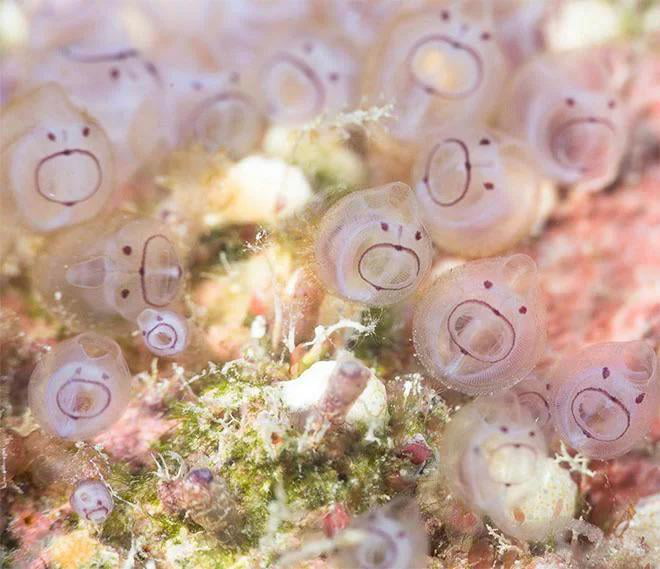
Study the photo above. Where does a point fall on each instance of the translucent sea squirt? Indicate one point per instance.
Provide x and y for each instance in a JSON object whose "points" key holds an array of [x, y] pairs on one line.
{"points": [[307, 76], [164, 332], [110, 272], [496, 460], [576, 130], [391, 537], [478, 190], [92, 500], [436, 64], [56, 163], [479, 328], [81, 387], [605, 397], [371, 246]]}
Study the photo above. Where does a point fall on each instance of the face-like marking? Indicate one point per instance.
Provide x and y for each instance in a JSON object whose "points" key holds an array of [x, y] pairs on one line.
{"points": [[80, 388], [436, 69], [601, 409], [59, 162], [371, 247], [469, 182], [92, 500], [468, 330], [165, 333], [576, 135], [308, 76]]}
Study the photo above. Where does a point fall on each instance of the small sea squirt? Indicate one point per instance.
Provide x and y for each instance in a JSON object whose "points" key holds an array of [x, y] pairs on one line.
{"points": [[371, 246], [56, 162], [576, 132], [478, 190], [390, 537], [479, 329], [81, 387], [306, 76], [436, 64], [92, 500], [605, 397], [164, 332], [111, 272], [496, 461]]}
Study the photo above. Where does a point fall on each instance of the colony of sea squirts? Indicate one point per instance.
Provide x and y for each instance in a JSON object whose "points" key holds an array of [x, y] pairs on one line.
{"points": [[278, 291]]}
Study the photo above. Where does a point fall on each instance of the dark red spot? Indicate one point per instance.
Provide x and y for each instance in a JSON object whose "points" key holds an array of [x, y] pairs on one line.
{"points": [[86, 131], [125, 293], [570, 101], [522, 310], [517, 445], [496, 312], [489, 185], [105, 376], [468, 165], [611, 104], [640, 398], [504, 429], [488, 284], [127, 249], [51, 136], [384, 226], [333, 76], [141, 271], [484, 142], [507, 484], [444, 14], [151, 68], [398, 247], [606, 372], [401, 534], [159, 318], [418, 235], [485, 36], [425, 179], [532, 434], [114, 73], [66, 153]]}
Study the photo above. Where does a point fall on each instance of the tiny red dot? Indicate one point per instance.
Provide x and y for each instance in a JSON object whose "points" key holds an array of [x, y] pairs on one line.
{"points": [[125, 293], [85, 131], [504, 429], [489, 185], [640, 398], [532, 434], [485, 36], [333, 76], [570, 101], [522, 310], [611, 104], [488, 284], [484, 142], [127, 250], [606, 372], [384, 226], [51, 136], [418, 235], [444, 15], [114, 73]]}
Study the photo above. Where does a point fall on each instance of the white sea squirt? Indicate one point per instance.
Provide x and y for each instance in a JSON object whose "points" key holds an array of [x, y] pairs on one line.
{"points": [[81, 387], [479, 328], [371, 246]]}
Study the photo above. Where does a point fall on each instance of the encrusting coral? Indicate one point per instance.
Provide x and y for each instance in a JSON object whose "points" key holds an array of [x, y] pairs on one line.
{"points": [[251, 315]]}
